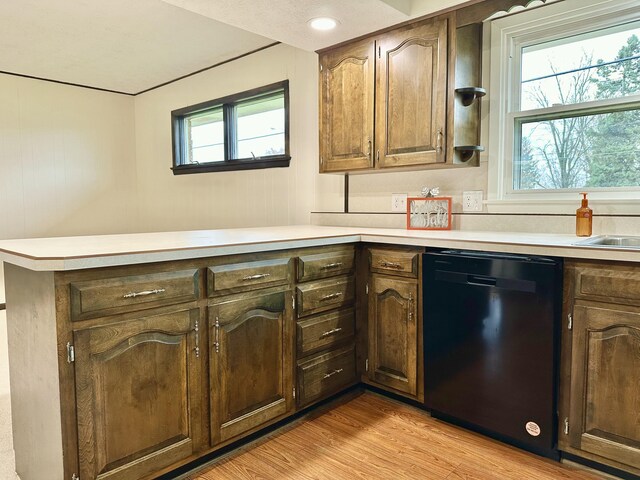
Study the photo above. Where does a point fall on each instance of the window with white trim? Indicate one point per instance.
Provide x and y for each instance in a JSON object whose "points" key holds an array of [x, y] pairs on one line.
{"points": [[565, 103]]}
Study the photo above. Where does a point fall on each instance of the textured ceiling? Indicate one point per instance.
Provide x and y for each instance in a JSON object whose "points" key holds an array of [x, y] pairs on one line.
{"points": [[286, 20], [133, 45]]}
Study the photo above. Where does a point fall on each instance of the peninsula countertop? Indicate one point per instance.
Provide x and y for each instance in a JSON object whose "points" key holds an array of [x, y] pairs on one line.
{"points": [[81, 252]]}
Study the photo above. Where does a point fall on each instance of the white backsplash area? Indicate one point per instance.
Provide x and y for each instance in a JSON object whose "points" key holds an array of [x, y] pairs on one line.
{"points": [[602, 225]]}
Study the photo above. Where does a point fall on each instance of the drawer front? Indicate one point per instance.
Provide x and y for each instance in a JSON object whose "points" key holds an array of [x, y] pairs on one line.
{"points": [[329, 264], [609, 285], [394, 262], [97, 298], [323, 331], [326, 374], [324, 295], [248, 275]]}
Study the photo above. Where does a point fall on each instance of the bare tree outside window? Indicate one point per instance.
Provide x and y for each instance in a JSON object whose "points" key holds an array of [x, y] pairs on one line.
{"points": [[574, 150]]}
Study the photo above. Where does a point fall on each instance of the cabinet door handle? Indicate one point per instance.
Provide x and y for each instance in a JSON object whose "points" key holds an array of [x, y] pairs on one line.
{"points": [[331, 332], [196, 329], [369, 150], [331, 296], [329, 266], [410, 308], [439, 140], [386, 264], [331, 374], [216, 343], [257, 276], [144, 293]]}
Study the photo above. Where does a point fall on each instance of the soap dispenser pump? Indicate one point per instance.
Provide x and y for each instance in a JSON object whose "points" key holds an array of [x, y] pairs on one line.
{"points": [[584, 218]]}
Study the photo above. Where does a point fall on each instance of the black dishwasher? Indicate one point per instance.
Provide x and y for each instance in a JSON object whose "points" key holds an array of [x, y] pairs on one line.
{"points": [[491, 334]]}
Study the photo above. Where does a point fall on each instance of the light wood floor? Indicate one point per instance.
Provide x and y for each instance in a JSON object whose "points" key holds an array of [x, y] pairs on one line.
{"points": [[372, 437]]}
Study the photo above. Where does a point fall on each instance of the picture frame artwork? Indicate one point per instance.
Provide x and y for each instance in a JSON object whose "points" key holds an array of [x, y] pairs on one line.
{"points": [[429, 213]]}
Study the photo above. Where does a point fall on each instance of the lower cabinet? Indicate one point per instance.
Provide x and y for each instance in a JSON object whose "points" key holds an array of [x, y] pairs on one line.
{"points": [[600, 385], [322, 375], [250, 355], [137, 395], [393, 333]]}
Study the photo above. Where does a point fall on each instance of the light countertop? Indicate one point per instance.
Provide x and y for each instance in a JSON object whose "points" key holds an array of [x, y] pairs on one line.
{"points": [[71, 253]]}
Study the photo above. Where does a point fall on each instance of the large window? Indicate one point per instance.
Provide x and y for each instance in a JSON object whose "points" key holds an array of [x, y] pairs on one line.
{"points": [[567, 113], [245, 131]]}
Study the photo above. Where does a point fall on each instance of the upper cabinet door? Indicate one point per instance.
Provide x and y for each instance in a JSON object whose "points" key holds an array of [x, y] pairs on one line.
{"points": [[411, 85], [346, 108]]}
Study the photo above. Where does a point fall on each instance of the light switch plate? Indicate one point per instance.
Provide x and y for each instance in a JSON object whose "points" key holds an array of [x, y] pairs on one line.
{"points": [[472, 201], [398, 202]]}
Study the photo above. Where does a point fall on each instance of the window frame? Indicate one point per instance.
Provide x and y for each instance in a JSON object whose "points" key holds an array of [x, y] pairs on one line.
{"points": [[506, 37], [228, 104]]}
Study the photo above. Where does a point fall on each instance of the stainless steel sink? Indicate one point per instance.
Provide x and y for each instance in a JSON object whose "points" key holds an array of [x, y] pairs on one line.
{"points": [[611, 241]]}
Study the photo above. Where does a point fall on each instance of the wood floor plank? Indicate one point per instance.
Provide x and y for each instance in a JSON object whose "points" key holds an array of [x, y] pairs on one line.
{"points": [[374, 438]]}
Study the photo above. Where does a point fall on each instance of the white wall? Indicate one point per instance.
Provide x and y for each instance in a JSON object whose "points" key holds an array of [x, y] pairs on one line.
{"points": [[67, 160], [276, 196], [372, 192]]}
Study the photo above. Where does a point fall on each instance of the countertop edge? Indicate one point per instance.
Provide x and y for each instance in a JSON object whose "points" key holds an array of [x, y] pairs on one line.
{"points": [[558, 245]]}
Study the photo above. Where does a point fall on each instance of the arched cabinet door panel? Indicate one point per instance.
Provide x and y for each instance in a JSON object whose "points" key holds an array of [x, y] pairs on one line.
{"points": [[346, 107], [250, 338], [605, 382], [393, 338], [411, 93], [137, 392]]}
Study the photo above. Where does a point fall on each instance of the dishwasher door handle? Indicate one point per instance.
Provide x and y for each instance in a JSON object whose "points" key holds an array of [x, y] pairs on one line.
{"points": [[481, 281]]}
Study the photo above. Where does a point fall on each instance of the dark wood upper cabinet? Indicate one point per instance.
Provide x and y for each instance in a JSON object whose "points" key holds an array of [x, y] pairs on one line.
{"points": [[383, 100], [411, 92], [346, 107]]}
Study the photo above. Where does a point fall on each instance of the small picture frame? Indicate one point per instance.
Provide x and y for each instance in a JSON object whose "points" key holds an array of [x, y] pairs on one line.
{"points": [[429, 213]]}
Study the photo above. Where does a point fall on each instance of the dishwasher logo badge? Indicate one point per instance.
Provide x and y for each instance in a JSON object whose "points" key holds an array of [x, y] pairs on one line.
{"points": [[532, 429]]}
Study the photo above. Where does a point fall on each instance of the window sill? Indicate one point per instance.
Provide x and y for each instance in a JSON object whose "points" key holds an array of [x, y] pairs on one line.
{"points": [[281, 161]]}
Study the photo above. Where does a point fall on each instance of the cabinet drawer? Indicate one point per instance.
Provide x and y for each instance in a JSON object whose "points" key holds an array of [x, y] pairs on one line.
{"points": [[97, 298], [326, 374], [329, 264], [619, 285], [396, 262], [323, 331], [324, 295], [248, 275]]}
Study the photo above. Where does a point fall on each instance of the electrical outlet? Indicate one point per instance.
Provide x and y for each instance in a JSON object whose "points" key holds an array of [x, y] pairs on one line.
{"points": [[398, 202], [472, 201]]}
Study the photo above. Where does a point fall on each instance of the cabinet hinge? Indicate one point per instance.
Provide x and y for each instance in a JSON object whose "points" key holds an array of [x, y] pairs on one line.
{"points": [[294, 393], [75, 477], [566, 426], [570, 321], [71, 353], [366, 365], [366, 289]]}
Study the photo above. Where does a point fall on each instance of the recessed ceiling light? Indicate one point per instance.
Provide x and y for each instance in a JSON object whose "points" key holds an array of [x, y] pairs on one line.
{"points": [[322, 23]]}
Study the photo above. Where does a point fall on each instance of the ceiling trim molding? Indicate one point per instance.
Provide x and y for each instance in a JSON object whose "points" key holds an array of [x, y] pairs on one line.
{"points": [[61, 82], [208, 68]]}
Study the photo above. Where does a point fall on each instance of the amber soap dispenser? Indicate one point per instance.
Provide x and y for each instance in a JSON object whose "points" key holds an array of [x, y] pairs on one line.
{"points": [[584, 218]]}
